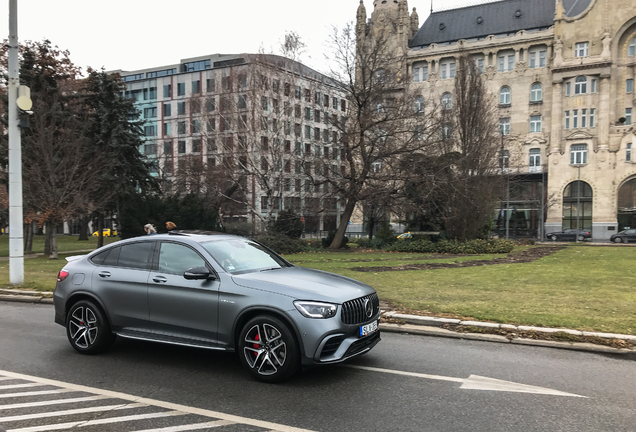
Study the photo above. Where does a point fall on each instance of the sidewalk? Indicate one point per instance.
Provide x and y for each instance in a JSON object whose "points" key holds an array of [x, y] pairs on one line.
{"points": [[396, 322]]}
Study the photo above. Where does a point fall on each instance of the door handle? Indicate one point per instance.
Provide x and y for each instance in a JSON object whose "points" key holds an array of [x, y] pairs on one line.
{"points": [[159, 279], [104, 274]]}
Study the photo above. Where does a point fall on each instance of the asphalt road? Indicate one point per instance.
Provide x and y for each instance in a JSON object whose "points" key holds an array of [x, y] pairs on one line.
{"points": [[414, 383]]}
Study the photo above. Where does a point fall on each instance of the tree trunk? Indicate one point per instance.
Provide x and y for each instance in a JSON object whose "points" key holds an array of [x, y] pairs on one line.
{"points": [[28, 237], [53, 254], [48, 230], [100, 230], [342, 228], [371, 226], [83, 234]]}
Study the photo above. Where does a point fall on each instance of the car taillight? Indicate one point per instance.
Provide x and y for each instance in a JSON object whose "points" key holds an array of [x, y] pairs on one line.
{"points": [[63, 274]]}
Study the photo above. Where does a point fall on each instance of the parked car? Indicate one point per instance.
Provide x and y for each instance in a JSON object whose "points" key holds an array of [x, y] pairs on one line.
{"points": [[625, 236], [107, 233], [219, 292], [569, 234]]}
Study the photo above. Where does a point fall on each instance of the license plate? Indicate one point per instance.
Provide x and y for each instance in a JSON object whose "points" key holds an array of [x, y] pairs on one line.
{"points": [[368, 329]]}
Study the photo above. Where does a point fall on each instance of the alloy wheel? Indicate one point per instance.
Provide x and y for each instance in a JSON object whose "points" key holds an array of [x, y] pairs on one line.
{"points": [[265, 350], [83, 327]]}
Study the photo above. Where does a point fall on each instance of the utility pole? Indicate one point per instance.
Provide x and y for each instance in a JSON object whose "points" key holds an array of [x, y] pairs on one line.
{"points": [[16, 245]]}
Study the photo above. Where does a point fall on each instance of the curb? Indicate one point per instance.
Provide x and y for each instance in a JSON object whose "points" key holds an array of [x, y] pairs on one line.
{"points": [[428, 326], [431, 326]]}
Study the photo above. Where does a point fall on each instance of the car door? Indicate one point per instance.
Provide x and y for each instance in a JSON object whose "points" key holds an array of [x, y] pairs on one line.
{"points": [[630, 235], [181, 308], [121, 282]]}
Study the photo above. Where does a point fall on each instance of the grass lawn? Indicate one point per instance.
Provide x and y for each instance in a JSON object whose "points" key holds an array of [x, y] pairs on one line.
{"points": [[64, 243], [582, 287]]}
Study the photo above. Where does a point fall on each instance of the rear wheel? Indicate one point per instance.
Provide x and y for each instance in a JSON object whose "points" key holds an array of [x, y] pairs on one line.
{"points": [[580, 238], [268, 349], [87, 329], [552, 237], [618, 240]]}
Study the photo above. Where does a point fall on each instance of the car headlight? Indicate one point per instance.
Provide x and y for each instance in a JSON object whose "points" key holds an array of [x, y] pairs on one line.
{"points": [[316, 309]]}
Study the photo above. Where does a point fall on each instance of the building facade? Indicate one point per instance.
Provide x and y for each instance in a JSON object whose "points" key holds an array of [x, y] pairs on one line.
{"points": [[562, 72], [262, 121]]}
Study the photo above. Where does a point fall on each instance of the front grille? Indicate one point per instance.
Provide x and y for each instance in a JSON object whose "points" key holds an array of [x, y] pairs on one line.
{"points": [[353, 311], [362, 344]]}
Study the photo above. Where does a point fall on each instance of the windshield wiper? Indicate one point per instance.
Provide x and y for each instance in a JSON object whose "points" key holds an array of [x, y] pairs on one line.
{"points": [[272, 268]]}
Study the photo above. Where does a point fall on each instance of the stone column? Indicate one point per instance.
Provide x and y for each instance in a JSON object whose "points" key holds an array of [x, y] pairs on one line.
{"points": [[557, 116], [604, 112]]}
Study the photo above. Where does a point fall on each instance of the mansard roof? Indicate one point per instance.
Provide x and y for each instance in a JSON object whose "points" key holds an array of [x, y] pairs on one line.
{"points": [[507, 16]]}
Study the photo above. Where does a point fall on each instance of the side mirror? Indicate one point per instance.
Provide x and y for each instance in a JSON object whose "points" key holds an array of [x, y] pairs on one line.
{"points": [[198, 273]]}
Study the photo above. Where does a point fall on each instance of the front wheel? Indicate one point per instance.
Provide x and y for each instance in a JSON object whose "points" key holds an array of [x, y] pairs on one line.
{"points": [[552, 237], [87, 329], [618, 240], [580, 238], [268, 349]]}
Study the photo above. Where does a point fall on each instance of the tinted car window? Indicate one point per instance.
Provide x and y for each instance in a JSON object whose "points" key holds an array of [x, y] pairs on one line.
{"points": [[135, 255], [176, 258], [112, 257], [100, 257]]}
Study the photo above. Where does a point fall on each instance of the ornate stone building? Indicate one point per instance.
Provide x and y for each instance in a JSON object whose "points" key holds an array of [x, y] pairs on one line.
{"points": [[562, 72]]}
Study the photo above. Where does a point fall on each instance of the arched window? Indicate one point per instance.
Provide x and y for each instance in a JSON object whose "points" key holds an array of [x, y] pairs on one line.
{"points": [[447, 101], [419, 104], [504, 96], [627, 205], [631, 48], [577, 206], [536, 92], [580, 85]]}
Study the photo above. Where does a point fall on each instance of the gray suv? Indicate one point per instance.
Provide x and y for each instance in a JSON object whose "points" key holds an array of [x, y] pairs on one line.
{"points": [[219, 292]]}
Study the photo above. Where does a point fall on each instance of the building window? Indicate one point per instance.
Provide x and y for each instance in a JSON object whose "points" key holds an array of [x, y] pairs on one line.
{"points": [[504, 126], [181, 128], [568, 88], [308, 114], [504, 96], [580, 85], [196, 86], [536, 93], [592, 117], [537, 58], [420, 71], [195, 126], [167, 147], [196, 145], [180, 108], [593, 85], [150, 112], [506, 61], [578, 154], [419, 104], [181, 146], [167, 91], [210, 105], [447, 69], [307, 132], [478, 61], [535, 160], [180, 89], [567, 120], [210, 85], [167, 129], [628, 152], [581, 49], [447, 101], [150, 130], [584, 117], [631, 48], [628, 116], [629, 86], [150, 149], [535, 124], [504, 159], [575, 119], [167, 110]]}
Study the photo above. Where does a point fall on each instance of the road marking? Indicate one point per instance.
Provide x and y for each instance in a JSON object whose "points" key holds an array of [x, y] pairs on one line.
{"points": [[70, 412], [35, 393], [476, 382], [15, 386], [68, 387], [51, 402], [85, 423], [190, 427]]}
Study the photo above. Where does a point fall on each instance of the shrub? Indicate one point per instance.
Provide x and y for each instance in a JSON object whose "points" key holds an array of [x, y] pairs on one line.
{"points": [[288, 223], [282, 244], [238, 228], [471, 247]]}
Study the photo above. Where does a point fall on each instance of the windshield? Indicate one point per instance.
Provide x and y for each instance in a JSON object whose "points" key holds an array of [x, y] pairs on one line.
{"points": [[243, 256]]}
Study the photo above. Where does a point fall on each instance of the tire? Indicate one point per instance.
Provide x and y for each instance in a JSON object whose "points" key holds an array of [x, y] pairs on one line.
{"points": [[618, 240], [87, 328], [580, 238], [553, 237], [275, 360]]}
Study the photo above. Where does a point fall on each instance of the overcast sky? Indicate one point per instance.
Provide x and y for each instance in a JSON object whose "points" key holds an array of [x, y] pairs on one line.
{"points": [[135, 34]]}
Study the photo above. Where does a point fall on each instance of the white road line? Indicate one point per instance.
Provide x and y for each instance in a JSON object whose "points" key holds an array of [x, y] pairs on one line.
{"points": [[59, 426], [190, 426], [35, 393], [162, 404], [70, 412], [15, 386], [51, 402], [6, 378], [476, 382]]}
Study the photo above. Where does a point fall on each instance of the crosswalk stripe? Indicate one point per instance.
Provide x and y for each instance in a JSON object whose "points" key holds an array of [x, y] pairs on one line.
{"points": [[6, 378], [70, 425], [52, 402], [190, 427], [70, 412], [35, 393], [15, 386]]}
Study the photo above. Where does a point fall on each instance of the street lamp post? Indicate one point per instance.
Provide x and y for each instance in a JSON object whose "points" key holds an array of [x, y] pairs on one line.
{"points": [[578, 203]]}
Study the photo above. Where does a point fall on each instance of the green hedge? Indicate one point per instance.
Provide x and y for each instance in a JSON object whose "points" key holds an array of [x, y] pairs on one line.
{"points": [[452, 247], [282, 244]]}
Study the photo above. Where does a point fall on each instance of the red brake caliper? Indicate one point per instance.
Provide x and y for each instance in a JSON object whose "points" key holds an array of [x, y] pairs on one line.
{"points": [[256, 345]]}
